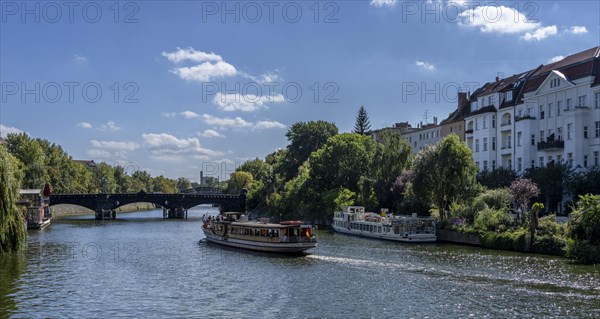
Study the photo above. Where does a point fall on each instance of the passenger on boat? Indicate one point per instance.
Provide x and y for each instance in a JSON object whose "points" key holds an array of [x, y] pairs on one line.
{"points": [[285, 238]]}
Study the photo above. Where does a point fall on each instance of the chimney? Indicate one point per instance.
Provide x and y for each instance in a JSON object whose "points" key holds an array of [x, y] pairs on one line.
{"points": [[462, 99], [497, 79]]}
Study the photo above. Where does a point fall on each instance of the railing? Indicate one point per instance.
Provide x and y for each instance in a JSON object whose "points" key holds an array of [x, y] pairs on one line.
{"points": [[506, 124], [524, 117], [469, 131], [557, 144]]}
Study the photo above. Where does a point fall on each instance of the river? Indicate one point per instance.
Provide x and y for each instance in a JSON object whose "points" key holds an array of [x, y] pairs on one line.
{"points": [[143, 266]]}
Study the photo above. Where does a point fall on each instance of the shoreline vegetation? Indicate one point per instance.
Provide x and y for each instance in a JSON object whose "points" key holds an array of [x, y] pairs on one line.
{"points": [[322, 170], [73, 210]]}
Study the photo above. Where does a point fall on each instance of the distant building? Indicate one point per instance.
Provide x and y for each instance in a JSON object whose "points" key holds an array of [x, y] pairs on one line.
{"points": [[38, 210], [88, 163]]}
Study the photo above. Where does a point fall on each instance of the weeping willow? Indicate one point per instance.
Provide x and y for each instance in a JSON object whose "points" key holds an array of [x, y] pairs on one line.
{"points": [[13, 234]]}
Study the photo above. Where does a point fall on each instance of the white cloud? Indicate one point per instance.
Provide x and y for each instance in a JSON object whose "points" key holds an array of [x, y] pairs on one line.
{"points": [[211, 65], [84, 125], [541, 33], [109, 127], [239, 123], [168, 114], [192, 55], [556, 59], [190, 115], [206, 71], [425, 65], [226, 122], [166, 147], [577, 30], [383, 3], [210, 134], [95, 153], [5, 130], [261, 125], [114, 145], [497, 19], [79, 59], [230, 102]]}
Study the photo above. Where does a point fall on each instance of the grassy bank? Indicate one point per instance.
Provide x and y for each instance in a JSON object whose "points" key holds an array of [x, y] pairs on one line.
{"points": [[73, 210]]}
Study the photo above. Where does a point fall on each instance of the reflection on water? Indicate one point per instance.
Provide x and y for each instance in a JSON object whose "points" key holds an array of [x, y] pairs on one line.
{"points": [[141, 265]]}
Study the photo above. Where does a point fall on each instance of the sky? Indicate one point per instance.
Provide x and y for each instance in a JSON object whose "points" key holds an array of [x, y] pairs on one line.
{"points": [[176, 87]]}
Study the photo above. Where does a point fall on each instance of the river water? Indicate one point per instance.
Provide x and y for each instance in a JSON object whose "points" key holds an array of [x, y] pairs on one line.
{"points": [[143, 266]]}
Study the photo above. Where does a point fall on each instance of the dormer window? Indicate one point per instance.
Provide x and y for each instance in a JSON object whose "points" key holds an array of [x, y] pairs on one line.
{"points": [[554, 83], [509, 96], [474, 106]]}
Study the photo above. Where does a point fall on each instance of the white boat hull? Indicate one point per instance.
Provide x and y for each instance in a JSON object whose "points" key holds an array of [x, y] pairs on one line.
{"points": [[411, 238], [286, 248]]}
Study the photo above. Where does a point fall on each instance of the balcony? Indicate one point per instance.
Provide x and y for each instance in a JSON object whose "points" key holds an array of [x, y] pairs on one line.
{"points": [[551, 145], [524, 117], [469, 131]]}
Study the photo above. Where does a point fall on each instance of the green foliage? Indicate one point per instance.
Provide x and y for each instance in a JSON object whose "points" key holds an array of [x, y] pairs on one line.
{"points": [[239, 180], [499, 199], [551, 181], [392, 157], [164, 185], [508, 240], [584, 183], [13, 234], [362, 125], [183, 184], [344, 198], [304, 138], [444, 173], [584, 231], [498, 178], [491, 219]]}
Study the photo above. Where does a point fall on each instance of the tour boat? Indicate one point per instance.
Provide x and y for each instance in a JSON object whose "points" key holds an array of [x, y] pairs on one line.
{"points": [[411, 229], [235, 230]]}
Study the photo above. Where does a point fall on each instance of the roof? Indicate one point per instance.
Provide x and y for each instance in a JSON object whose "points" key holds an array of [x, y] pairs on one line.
{"points": [[573, 67], [485, 109], [30, 191]]}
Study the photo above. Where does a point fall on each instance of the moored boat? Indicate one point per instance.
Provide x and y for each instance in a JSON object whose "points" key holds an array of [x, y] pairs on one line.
{"points": [[412, 229], [235, 230]]}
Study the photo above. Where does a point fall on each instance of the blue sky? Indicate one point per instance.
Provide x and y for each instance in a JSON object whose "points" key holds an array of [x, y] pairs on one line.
{"points": [[174, 86]]}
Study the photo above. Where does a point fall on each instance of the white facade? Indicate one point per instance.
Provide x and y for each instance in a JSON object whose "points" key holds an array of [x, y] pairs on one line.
{"points": [[428, 135], [565, 123]]}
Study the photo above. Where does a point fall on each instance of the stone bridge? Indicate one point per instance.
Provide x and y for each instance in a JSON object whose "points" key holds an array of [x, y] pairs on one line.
{"points": [[174, 205]]}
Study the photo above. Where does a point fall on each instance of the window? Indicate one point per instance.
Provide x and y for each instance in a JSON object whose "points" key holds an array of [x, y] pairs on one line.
{"points": [[559, 133], [519, 164], [554, 83], [493, 165], [476, 124], [549, 110], [474, 106], [569, 128], [532, 139], [485, 167], [596, 158], [519, 136], [597, 100], [509, 96], [585, 132], [585, 158], [476, 145], [485, 144], [508, 141], [559, 158], [549, 159], [477, 164], [542, 136], [493, 121], [484, 121], [541, 161], [558, 108], [541, 112], [530, 111], [493, 143], [569, 105], [570, 158], [509, 164], [597, 130], [582, 100]]}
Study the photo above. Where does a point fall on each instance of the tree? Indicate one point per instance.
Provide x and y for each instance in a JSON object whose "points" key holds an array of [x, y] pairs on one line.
{"points": [[583, 231], [584, 183], [362, 125], [12, 227], [31, 155], [392, 156], [534, 218], [239, 181], [497, 178], [183, 184], [444, 173], [523, 190], [551, 181], [304, 138], [164, 185]]}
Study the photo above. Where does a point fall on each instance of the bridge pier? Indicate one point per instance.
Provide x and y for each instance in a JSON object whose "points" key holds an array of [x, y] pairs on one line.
{"points": [[106, 214], [174, 213]]}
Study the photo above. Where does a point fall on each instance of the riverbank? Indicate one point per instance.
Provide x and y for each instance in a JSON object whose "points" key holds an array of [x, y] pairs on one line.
{"points": [[74, 210]]}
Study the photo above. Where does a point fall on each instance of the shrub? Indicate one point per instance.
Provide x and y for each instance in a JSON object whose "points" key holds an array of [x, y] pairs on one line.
{"points": [[583, 231], [515, 240], [492, 220], [550, 245]]}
